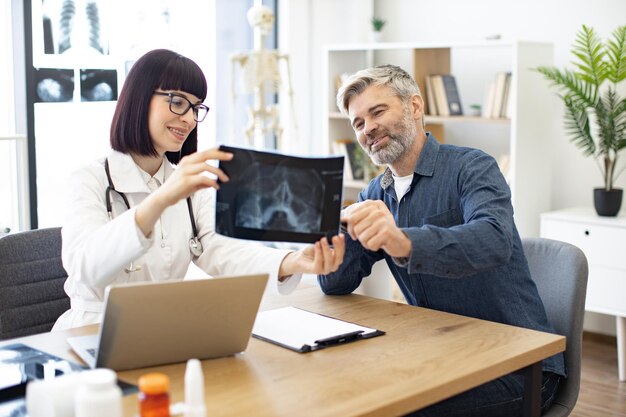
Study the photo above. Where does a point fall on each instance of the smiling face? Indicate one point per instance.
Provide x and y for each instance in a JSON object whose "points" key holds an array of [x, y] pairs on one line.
{"points": [[169, 131], [385, 126]]}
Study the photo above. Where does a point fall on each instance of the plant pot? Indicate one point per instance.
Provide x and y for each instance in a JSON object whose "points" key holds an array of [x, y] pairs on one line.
{"points": [[376, 36], [607, 203]]}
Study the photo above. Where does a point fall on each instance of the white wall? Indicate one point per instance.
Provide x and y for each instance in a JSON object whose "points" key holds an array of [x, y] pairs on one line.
{"points": [[315, 23], [305, 26]]}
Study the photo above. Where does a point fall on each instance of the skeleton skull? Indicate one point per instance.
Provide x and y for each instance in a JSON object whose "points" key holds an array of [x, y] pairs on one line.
{"points": [[261, 17]]}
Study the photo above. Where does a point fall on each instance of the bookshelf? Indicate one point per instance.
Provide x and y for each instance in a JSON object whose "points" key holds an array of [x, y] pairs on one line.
{"points": [[523, 139]]}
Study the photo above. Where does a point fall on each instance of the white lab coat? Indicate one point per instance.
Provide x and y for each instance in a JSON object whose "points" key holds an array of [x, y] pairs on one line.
{"points": [[96, 250]]}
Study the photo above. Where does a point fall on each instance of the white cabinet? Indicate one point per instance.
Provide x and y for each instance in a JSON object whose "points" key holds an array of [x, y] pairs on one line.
{"points": [[525, 138], [602, 239]]}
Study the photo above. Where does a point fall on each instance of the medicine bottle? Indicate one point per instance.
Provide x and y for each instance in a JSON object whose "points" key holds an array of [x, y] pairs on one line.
{"points": [[154, 399], [98, 395]]}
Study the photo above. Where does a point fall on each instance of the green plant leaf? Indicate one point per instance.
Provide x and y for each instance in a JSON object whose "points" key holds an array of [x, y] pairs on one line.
{"points": [[590, 53], [617, 118], [605, 120], [378, 24], [579, 90], [577, 126], [621, 118], [616, 53]]}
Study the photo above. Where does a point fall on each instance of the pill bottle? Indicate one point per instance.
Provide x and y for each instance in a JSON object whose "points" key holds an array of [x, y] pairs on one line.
{"points": [[154, 399], [98, 395]]}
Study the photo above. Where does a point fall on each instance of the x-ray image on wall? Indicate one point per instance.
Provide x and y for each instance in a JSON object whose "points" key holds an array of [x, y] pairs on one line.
{"points": [[276, 197], [74, 26], [98, 85], [54, 85]]}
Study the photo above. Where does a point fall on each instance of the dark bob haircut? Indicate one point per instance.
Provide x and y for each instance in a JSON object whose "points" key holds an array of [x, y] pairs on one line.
{"points": [[159, 69]]}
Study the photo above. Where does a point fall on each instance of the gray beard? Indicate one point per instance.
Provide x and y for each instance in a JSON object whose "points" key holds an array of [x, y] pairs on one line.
{"points": [[397, 144]]}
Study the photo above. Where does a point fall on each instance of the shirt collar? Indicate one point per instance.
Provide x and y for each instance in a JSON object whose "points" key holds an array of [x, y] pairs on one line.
{"points": [[159, 175], [129, 178], [425, 165]]}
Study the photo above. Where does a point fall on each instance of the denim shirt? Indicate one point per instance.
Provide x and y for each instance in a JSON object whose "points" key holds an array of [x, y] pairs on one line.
{"points": [[466, 256]]}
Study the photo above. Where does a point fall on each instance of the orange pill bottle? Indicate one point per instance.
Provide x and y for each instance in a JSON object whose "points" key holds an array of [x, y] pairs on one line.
{"points": [[154, 399]]}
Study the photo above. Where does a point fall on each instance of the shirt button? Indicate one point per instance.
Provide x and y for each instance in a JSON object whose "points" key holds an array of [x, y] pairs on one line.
{"points": [[163, 244]]}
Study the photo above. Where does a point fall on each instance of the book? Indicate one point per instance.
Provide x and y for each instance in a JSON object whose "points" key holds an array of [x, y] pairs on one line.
{"points": [[356, 156], [340, 147], [505, 98], [440, 95], [431, 104], [452, 95], [509, 103], [500, 86], [488, 100]]}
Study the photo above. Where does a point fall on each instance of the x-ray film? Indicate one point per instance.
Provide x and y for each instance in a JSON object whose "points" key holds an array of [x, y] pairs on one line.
{"points": [[275, 197]]}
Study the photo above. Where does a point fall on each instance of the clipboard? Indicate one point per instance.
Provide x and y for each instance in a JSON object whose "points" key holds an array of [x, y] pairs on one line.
{"points": [[303, 331]]}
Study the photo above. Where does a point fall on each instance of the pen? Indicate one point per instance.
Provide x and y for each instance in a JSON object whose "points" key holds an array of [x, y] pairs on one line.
{"points": [[341, 338]]}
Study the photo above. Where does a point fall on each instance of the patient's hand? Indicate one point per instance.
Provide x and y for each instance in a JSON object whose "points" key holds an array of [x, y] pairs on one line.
{"points": [[319, 258], [371, 223]]}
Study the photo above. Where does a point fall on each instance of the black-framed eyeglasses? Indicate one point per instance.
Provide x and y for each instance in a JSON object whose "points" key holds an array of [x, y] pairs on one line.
{"points": [[180, 105]]}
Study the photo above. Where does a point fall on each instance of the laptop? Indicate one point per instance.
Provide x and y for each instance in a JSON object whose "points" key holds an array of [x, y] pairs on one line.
{"points": [[149, 324]]}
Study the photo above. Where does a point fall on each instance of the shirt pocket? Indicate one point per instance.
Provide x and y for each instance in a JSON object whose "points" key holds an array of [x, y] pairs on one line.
{"points": [[447, 218]]}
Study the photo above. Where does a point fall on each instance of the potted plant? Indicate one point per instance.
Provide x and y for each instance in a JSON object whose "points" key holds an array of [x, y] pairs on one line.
{"points": [[377, 27], [595, 114]]}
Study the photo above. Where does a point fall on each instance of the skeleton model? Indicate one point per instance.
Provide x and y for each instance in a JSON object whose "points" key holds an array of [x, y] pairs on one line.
{"points": [[260, 70]]}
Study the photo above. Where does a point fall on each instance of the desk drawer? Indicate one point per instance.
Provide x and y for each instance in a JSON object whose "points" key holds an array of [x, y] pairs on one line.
{"points": [[606, 291], [603, 245]]}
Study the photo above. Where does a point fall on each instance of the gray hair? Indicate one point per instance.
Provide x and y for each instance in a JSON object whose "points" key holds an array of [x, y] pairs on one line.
{"points": [[391, 76]]}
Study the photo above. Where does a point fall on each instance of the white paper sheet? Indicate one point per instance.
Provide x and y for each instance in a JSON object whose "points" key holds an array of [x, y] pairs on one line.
{"points": [[295, 328]]}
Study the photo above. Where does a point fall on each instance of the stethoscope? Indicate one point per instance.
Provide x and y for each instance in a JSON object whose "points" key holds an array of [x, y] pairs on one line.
{"points": [[195, 246]]}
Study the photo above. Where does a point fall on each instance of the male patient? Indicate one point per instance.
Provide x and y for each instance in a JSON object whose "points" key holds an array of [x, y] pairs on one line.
{"points": [[441, 217]]}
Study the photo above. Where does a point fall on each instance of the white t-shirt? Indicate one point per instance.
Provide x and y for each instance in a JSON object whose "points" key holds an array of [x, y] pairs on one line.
{"points": [[402, 184]]}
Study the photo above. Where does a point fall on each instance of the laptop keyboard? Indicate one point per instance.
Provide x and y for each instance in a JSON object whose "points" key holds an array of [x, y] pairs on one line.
{"points": [[92, 352]]}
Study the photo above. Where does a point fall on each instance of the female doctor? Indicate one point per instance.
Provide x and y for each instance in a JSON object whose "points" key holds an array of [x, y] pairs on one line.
{"points": [[135, 217]]}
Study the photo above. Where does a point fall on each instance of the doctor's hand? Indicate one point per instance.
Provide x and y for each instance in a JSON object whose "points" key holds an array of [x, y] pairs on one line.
{"points": [[371, 223], [192, 174], [319, 258]]}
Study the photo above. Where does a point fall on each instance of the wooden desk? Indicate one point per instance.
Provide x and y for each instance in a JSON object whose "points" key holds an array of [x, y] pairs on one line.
{"points": [[426, 356]]}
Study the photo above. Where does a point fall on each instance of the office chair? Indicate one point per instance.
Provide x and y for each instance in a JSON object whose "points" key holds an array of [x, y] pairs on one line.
{"points": [[31, 282], [560, 273]]}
